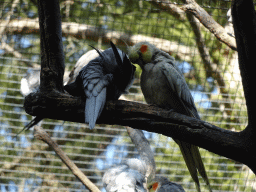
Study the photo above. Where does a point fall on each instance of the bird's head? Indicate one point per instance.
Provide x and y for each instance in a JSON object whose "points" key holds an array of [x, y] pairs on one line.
{"points": [[141, 53], [155, 183]]}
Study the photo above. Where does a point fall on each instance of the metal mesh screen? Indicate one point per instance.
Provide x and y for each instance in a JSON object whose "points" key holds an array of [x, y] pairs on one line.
{"points": [[27, 164]]}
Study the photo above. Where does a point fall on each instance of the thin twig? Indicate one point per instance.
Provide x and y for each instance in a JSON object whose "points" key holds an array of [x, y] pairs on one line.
{"points": [[42, 135], [170, 8], [215, 28]]}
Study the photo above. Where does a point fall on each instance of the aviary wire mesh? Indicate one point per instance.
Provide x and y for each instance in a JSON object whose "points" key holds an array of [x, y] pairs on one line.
{"points": [[27, 164]]}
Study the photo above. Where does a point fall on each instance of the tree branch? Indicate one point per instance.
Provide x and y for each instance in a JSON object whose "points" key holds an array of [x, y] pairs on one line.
{"points": [[42, 135], [147, 117], [52, 55], [215, 28], [143, 147], [83, 31], [170, 8]]}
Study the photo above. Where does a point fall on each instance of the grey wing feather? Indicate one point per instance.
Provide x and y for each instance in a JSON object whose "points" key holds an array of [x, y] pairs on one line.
{"points": [[94, 106], [178, 85], [82, 61], [94, 83]]}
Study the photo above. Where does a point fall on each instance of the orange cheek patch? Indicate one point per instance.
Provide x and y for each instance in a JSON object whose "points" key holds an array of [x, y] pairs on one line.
{"points": [[143, 48], [155, 185]]}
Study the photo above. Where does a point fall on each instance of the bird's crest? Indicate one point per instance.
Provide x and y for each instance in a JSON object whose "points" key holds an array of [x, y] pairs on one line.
{"points": [[125, 69]]}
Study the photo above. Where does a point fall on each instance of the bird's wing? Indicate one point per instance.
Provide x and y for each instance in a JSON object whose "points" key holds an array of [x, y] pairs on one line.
{"points": [[82, 61], [179, 86], [95, 89], [123, 178]]}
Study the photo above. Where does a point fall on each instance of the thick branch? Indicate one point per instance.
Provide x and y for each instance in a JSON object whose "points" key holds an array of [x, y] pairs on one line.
{"points": [[52, 56], [140, 116], [209, 23], [143, 147], [244, 22], [42, 135]]}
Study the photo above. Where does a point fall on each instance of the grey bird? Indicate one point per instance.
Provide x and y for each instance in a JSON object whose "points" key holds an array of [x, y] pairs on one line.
{"points": [[116, 62], [129, 176], [162, 184], [164, 85], [103, 78]]}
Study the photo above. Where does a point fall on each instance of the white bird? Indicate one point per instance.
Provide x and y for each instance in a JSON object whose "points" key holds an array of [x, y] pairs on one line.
{"points": [[30, 82], [229, 27], [129, 176]]}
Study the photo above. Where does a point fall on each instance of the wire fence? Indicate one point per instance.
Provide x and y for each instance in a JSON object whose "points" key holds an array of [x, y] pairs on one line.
{"points": [[27, 164]]}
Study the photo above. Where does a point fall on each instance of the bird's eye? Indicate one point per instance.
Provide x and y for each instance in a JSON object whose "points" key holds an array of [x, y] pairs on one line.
{"points": [[150, 187]]}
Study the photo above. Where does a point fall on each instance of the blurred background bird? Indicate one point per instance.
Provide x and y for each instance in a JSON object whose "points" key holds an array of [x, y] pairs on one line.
{"points": [[103, 78], [164, 85]]}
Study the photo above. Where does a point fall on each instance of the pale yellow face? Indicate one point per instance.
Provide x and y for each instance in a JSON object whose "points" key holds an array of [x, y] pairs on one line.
{"points": [[145, 50]]}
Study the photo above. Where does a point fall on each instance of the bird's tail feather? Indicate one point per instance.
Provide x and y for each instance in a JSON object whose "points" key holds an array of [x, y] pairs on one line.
{"points": [[189, 160], [32, 123], [200, 165], [94, 106]]}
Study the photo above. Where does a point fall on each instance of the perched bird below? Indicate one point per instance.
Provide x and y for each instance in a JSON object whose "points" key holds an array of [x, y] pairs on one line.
{"points": [[129, 176], [162, 184], [164, 85], [103, 78]]}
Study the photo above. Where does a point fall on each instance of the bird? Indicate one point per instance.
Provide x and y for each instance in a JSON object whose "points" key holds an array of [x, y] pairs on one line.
{"points": [[163, 84], [137, 175], [129, 176], [99, 63], [104, 78], [229, 26], [162, 184], [30, 82]]}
